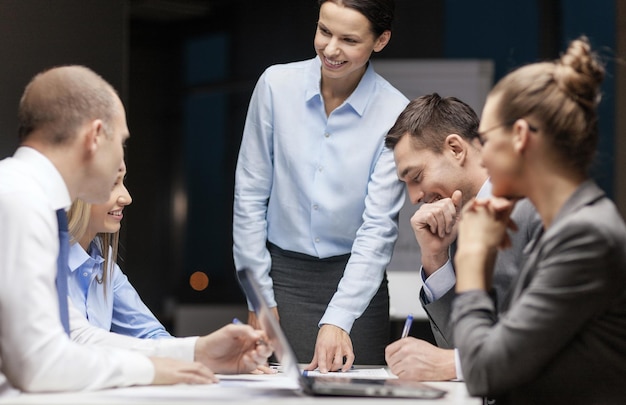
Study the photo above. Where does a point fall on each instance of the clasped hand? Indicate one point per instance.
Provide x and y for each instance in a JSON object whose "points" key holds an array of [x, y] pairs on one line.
{"points": [[482, 231], [484, 223]]}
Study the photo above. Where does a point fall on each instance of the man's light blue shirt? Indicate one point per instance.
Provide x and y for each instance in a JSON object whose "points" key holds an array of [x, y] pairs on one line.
{"points": [[316, 184], [121, 310]]}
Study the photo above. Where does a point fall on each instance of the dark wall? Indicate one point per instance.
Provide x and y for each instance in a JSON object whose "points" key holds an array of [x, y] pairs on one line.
{"points": [[38, 34], [162, 247], [165, 156], [513, 33], [180, 173]]}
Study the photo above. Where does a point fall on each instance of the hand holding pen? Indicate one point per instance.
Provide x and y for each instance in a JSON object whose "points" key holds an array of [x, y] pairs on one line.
{"points": [[262, 345], [259, 342], [233, 349]]}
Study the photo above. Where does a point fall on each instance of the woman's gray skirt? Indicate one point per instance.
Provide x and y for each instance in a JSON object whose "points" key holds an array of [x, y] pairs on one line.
{"points": [[303, 288]]}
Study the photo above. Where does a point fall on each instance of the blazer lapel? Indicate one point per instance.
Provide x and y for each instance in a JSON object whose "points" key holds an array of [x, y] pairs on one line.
{"points": [[587, 193]]}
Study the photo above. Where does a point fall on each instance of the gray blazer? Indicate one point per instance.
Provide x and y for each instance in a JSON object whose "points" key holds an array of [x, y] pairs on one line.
{"points": [[506, 269], [563, 339]]}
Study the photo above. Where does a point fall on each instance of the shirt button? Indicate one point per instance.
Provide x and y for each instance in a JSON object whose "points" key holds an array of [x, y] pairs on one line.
{"points": [[85, 274], [320, 168], [327, 135], [315, 207], [317, 240]]}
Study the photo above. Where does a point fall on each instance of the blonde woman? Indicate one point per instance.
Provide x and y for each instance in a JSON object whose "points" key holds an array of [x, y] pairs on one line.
{"points": [[97, 285]]}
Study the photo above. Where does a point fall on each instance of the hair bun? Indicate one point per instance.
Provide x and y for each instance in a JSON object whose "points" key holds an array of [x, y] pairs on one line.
{"points": [[579, 73]]}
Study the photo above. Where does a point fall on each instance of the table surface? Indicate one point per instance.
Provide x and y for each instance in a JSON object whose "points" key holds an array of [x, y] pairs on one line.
{"points": [[230, 391]]}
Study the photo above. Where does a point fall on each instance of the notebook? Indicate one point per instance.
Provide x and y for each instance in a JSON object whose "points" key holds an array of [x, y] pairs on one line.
{"points": [[326, 384]]}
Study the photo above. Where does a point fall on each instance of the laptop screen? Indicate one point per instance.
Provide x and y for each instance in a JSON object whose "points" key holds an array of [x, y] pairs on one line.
{"points": [[282, 350], [325, 385]]}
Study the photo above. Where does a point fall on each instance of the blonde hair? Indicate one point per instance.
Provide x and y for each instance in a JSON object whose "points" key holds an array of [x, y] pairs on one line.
{"points": [[563, 96], [78, 222]]}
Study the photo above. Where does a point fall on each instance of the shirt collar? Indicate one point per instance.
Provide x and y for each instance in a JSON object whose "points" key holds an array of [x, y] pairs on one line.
{"points": [[485, 190], [78, 257], [361, 95], [313, 78], [357, 100], [47, 175]]}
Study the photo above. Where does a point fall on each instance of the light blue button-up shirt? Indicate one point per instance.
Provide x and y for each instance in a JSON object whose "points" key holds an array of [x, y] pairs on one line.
{"points": [[316, 184], [121, 310]]}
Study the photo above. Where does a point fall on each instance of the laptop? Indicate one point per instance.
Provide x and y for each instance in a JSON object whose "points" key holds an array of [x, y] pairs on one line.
{"points": [[326, 384]]}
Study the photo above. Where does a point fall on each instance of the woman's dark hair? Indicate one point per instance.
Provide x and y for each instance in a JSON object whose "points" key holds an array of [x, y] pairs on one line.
{"points": [[379, 13]]}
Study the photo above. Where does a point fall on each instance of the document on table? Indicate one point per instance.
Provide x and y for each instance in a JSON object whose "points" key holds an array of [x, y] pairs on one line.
{"points": [[284, 381], [271, 381], [366, 373]]}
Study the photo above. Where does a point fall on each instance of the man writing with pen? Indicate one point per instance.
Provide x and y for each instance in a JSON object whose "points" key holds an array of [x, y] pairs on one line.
{"points": [[437, 151]]}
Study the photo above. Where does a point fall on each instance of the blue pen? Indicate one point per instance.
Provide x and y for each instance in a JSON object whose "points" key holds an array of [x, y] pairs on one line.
{"points": [[407, 326]]}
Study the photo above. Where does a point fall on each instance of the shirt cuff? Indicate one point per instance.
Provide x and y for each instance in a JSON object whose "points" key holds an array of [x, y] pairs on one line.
{"points": [[439, 283], [457, 365], [179, 348], [339, 319], [137, 371]]}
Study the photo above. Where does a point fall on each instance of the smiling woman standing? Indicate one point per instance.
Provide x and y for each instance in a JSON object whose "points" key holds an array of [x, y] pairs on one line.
{"points": [[316, 193]]}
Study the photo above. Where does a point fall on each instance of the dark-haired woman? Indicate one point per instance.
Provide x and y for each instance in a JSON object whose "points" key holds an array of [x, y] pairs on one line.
{"points": [[316, 193]]}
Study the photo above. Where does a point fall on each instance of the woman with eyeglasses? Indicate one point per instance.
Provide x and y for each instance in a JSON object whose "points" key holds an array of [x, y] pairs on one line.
{"points": [[563, 339]]}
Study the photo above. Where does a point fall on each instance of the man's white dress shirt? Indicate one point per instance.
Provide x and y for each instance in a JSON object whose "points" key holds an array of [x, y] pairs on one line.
{"points": [[35, 352]]}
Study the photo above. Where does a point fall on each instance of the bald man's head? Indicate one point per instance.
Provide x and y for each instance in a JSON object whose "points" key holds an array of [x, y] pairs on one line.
{"points": [[58, 101]]}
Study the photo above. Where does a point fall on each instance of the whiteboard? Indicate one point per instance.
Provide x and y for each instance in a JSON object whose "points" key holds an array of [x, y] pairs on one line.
{"points": [[467, 79]]}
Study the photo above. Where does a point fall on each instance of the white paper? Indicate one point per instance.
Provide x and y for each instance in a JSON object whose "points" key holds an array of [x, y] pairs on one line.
{"points": [[366, 373]]}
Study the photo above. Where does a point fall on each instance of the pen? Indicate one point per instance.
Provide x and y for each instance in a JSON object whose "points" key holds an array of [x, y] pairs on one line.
{"points": [[259, 342], [407, 326]]}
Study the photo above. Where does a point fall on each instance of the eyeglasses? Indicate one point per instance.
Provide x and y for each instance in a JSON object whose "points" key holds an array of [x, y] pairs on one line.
{"points": [[505, 124]]}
